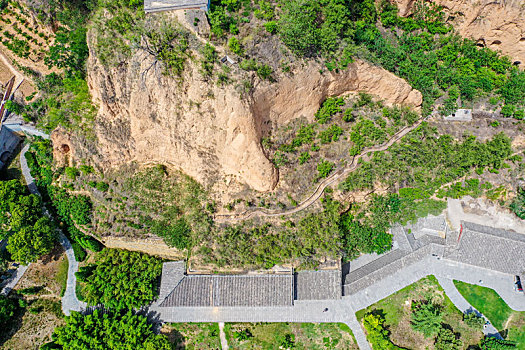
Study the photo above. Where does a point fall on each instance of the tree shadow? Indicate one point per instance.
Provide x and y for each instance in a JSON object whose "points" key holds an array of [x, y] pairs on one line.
{"points": [[13, 325], [174, 336]]}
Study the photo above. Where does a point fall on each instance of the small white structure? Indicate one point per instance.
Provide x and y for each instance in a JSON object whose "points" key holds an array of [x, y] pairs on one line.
{"points": [[168, 5], [461, 115], [228, 60]]}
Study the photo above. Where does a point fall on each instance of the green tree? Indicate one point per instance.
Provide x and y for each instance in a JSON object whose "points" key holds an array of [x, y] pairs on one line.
{"points": [[7, 310], [121, 279], [103, 331], [491, 343], [426, 317], [378, 336], [447, 340], [25, 212], [29, 243]]}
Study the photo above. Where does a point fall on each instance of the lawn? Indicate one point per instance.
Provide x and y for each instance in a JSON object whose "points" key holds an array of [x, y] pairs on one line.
{"points": [[489, 303], [193, 336], [286, 335], [397, 311]]}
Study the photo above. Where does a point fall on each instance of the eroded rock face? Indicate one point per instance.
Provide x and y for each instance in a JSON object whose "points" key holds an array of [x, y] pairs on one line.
{"points": [[207, 130], [499, 25]]}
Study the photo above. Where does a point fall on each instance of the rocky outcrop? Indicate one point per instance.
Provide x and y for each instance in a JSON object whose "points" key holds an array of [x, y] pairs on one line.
{"points": [[499, 25], [207, 130]]}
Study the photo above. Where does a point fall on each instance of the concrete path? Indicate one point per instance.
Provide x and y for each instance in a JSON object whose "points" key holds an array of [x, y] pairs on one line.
{"points": [[10, 283], [338, 175], [224, 341], [70, 301], [27, 129], [464, 306]]}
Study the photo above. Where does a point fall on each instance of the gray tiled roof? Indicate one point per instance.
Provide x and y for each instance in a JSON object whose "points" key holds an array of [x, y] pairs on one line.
{"points": [[165, 5], [237, 290], [490, 248], [318, 285]]}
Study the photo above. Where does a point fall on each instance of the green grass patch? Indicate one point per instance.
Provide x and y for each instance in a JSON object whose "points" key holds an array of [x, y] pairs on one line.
{"points": [[487, 301], [283, 335], [396, 309], [61, 276], [509, 322]]}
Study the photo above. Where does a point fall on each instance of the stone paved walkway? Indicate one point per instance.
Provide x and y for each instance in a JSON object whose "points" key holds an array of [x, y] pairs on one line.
{"points": [[10, 283], [464, 306], [70, 301], [224, 341]]}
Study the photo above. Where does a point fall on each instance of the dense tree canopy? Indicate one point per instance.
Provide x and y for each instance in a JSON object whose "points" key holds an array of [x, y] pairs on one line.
{"points": [[7, 310], [103, 331], [30, 242], [121, 279], [32, 234]]}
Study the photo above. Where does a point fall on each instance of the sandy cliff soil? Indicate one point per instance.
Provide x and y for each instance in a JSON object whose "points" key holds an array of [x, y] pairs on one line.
{"points": [[207, 130], [499, 25]]}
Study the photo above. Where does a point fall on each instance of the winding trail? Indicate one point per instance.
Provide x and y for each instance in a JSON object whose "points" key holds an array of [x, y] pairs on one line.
{"points": [[70, 301], [335, 177]]}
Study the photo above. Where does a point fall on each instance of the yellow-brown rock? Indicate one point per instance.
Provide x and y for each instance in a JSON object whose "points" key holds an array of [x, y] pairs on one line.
{"points": [[209, 131], [499, 25]]}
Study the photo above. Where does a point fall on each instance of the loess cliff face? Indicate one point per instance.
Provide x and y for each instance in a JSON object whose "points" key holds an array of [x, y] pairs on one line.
{"points": [[499, 25], [207, 130]]}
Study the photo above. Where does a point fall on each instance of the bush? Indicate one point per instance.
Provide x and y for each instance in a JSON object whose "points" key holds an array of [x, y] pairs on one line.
{"points": [[102, 186], [378, 336], [91, 243], [426, 317], [271, 27], [235, 46], [324, 168], [447, 340], [474, 320], [330, 107], [80, 254], [72, 173]]}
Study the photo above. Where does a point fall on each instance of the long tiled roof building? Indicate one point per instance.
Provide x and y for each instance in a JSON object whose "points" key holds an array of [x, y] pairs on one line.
{"points": [[481, 246]]}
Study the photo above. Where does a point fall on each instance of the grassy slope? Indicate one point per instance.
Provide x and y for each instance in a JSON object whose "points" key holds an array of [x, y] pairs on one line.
{"points": [[489, 303], [396, 309]]}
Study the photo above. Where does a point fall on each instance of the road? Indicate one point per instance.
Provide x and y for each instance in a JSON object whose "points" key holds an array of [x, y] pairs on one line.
{"points": [[337, 176]]}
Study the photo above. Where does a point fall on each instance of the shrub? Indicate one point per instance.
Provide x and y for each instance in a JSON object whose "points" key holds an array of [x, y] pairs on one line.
{"points": [[102, 186], [324, 168], [491, 343], [71, 172], [426, 317], [235, 46], [474, 320], [330, 107], [447, 340], [518, 204], [80, 254], [378, 336], [304, 157], [271, 27]]}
